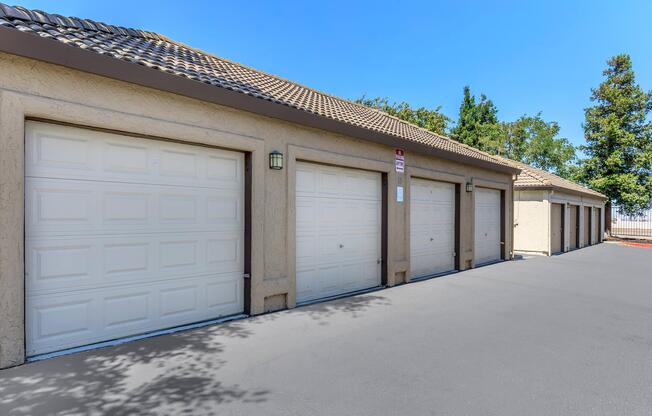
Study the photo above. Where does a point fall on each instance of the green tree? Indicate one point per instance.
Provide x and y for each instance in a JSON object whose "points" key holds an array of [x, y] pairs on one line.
{"points": [[619, 138], [528, 139], [429, 119], [531, 140], [477, 125], [534, 141]]}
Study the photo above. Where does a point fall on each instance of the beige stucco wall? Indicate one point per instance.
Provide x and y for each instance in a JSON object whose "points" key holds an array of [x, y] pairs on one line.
{"points": [[531, 221], [31, 89], [532, 218], [572, 200]]}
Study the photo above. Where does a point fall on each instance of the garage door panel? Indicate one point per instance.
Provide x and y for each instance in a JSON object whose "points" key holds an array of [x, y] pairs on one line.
{"points": [[597, 226], [56, 263], [306, 181], [306, 250], [421, 214], [572, 227], [127, 235], [328, 214], [224, 253], [432, 227], [587, 226], [223, 295], [361, 185], [177, 302], [307, 280], [56, 148], [177, 208], [65, 205], [59, 320], [329, 279], [123, 207], [329, 248], [420, 240], [59, 263], [126, 311], [360, 245], [329, 182], [63, 152], [65, 317], [487, 225], [120, 157], [353, 276], [55, 206], [359, 214], [337, 230], [176, 163]]}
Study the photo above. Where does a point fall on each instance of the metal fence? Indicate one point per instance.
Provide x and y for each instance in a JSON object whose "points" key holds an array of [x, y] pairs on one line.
{"points": [[625, 225]]}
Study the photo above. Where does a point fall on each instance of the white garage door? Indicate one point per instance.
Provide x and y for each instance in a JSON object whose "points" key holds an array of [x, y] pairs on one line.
{"points": [[432, 227], [487, 226], [338, 227], [127, 235]]}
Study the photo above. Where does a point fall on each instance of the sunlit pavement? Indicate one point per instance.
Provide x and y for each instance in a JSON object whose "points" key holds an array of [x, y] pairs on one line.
{"points": [[565, 335]]}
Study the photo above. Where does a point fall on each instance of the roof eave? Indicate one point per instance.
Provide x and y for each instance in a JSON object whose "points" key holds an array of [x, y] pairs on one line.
{"points": [[559, 189], [51, 51], [576, 192]]}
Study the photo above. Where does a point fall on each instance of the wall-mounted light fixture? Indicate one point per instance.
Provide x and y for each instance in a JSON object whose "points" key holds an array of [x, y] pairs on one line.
{"points": [[469, 187], [276, 160]]}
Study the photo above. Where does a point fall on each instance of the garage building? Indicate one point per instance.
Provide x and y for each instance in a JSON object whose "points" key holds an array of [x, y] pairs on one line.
{"points": [[553, 215], [148, 185]]}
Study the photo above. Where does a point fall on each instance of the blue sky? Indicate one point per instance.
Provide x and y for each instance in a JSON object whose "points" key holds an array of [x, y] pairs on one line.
{"points": [[527, 57]]}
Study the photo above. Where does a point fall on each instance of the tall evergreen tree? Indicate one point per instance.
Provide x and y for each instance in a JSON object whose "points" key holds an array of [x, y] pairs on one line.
{"points": [[477, 125], [619, 138]]}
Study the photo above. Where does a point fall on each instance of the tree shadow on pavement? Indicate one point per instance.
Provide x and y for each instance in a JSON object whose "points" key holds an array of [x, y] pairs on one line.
{"points": [[170, 374], [352, 307]]}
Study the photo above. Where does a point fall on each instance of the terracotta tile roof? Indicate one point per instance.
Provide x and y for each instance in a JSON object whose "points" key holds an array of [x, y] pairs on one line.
{"points": [[160, 53], [531, 177]]}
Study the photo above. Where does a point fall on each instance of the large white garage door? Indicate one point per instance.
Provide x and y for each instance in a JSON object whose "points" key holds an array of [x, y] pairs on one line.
{"points": [[432, 227], [338, 227], [487, 226], [127, 235]]}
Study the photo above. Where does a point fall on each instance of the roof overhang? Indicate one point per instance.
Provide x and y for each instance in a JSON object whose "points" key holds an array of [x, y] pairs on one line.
{"points": [[28, 45], [559, 189]]}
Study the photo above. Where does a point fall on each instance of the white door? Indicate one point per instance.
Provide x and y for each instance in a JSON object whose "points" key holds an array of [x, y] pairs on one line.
{"points": [[432, 227], [488, 246], [338, 230], [556, 228], [127, 235]]}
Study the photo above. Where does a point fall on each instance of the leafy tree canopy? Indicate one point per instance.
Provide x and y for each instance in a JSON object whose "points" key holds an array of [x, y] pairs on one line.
{"points": [[534, 141], [619, 138], [429, 119], [531, 140]]}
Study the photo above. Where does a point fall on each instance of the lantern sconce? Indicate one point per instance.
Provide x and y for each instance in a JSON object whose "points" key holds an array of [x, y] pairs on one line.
{"points": [[276, 160], [469, 187]]}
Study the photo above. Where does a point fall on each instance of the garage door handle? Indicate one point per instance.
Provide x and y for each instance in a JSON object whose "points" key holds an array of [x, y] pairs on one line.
{"points": [[432, 239], [341, 245]]}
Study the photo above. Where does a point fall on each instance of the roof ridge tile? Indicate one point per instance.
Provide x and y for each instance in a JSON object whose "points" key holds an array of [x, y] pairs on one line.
{"points": [[547, 179]]}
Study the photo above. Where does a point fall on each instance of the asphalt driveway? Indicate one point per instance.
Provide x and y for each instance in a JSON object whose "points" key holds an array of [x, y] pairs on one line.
{"points": [[566, 335]]}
